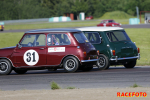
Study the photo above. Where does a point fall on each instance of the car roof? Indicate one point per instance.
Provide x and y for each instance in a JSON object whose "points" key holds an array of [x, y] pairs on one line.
{"points": [[99, 28], [53, 30]]}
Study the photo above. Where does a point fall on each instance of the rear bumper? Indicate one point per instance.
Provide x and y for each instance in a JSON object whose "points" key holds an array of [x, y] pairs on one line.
{"points": [[116, 59]]}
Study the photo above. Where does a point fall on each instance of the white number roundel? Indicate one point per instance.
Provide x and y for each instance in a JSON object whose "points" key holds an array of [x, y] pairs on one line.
{"points": [[31, 57]]}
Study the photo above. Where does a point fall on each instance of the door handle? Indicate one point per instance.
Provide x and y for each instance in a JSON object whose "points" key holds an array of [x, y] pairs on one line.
{"points": [[41, 48]]}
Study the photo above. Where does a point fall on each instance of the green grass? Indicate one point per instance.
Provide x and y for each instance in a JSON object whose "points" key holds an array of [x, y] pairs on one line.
{"points": [[9, 39], [51, 25], [42, 25], [140, 36], [116, 15]]}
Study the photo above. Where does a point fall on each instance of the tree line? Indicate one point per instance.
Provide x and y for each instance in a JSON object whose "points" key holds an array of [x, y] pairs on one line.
{"points": [[31, 9]]}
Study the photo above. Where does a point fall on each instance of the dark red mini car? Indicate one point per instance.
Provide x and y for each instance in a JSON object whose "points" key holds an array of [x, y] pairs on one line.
{"points": [[89, 17], [1, 27], [49, 49], [109, 23]]}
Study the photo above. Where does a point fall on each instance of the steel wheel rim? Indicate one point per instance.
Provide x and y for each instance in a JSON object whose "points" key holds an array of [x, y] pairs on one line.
{"points": [[101, 62], [3, 67], [70, 64]]}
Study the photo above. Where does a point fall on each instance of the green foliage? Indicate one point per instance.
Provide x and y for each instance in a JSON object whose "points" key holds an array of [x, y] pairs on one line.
{"points": [[54, 85], [30, 9], [116, 15]]}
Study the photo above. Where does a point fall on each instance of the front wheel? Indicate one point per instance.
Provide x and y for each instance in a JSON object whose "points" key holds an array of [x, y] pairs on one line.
{"points": [[130, 64], [5, 67], [20, 71], [103, 62], [70, 64]]}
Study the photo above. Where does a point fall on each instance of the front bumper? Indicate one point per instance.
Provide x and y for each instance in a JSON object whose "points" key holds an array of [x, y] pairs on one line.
{"points": [[91, 60], [116, 59]]}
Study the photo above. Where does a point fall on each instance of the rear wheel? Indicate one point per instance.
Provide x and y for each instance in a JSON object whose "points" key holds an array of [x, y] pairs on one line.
{"points": [[70, 64], [103, 62], [5, 67], [130, 64], [20, 71]]}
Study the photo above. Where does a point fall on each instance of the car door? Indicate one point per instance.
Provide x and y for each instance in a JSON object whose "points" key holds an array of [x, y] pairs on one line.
{"points": [[58, 44], [32, 51]]}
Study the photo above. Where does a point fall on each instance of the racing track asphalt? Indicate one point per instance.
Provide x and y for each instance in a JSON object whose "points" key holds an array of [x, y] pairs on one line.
{"points": [[111, 78], [123, 26]]}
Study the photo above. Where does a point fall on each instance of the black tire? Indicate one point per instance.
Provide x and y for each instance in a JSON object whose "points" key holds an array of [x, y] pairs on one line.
{"points": [[5, 67], [2, 29], [20, 71], [103, 62], [86, 67], [70, 64], [130, 64]]}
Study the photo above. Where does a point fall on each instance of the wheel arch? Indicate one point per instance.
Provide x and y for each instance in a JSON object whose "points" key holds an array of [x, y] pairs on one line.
{"points": [[68, 56], [8, 60]]}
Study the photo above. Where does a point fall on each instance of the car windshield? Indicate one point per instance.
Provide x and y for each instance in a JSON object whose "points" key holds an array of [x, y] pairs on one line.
{"points": [[117, 36], [81, 38], [33, 40]]}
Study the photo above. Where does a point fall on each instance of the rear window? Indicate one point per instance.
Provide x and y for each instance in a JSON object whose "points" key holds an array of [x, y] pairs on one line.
{"points": [[111, 21], [117, 36], [81, 38]]}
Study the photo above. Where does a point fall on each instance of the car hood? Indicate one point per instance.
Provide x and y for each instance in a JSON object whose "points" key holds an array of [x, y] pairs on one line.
{"points": [[8, 47]]}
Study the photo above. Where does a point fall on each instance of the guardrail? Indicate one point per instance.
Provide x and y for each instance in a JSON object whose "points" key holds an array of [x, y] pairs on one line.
{"points": [[25, 20], [46, 20]]}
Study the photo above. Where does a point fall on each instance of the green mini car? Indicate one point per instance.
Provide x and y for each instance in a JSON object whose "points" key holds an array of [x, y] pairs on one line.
{"points": [[114, 45]]}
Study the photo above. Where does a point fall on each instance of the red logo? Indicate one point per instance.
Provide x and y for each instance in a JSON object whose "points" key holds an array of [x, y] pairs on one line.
{"points": [[131, 94], [55, 49]]}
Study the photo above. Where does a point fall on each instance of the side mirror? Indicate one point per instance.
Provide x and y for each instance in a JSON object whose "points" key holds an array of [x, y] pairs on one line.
{"points": [[19, 46]]}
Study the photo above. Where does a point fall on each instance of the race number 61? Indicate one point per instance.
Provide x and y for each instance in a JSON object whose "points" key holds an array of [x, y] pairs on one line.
{"points": [[31, 57]]}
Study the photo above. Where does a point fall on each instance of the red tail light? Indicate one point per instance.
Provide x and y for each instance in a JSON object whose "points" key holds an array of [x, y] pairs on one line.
{"points": [[84, 54], [98, 52], [113, 52], [138, 49]]}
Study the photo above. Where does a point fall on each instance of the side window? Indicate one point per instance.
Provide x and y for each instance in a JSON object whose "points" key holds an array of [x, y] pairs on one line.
{"points": [[33, 40], [93, 37], [57, 39], [40, 40]]}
